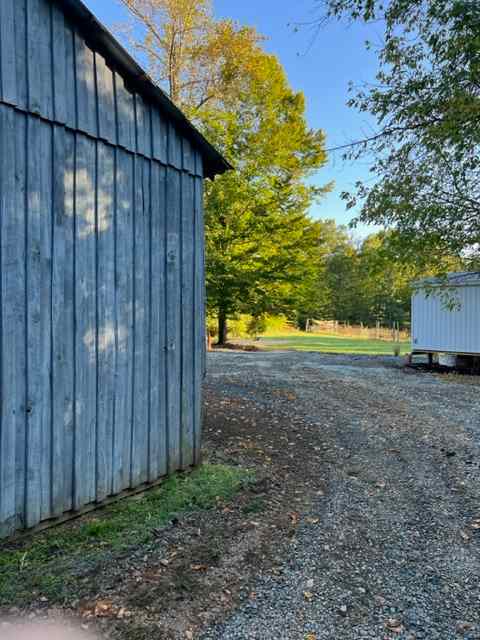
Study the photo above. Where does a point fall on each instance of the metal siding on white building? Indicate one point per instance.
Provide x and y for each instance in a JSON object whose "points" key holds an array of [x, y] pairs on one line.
{"points": [[437, 328]]}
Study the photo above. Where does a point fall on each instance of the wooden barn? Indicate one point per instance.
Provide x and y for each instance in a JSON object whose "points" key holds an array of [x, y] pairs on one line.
{"points": [[101, 268]]}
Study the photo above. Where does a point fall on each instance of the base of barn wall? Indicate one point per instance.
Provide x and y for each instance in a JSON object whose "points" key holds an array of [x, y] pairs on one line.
{"points": [[20, 534]]}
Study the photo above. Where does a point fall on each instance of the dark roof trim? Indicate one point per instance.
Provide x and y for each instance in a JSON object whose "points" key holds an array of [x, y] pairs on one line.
{"points": [[460, 279], [103, 41]]}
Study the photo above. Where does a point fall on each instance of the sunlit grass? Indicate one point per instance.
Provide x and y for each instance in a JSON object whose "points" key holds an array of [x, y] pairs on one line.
{"points": [[332, 344]]}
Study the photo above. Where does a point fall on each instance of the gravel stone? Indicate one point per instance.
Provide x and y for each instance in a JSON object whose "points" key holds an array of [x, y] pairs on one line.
{"points": [[397, 496]]}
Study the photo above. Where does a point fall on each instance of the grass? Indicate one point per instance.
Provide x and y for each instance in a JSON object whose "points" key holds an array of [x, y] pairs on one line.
{"points": [[331, 344], [47, 564]]}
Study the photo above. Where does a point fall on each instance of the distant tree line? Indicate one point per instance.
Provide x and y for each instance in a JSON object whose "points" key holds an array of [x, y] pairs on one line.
{"points": [[363, 282]]}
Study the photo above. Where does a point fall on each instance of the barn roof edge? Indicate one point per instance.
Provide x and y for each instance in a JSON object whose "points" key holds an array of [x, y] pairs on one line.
{"points": [[96, 34]]}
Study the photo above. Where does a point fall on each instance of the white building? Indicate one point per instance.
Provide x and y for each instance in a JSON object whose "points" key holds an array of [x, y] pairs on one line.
{"points": [[446, 315]]}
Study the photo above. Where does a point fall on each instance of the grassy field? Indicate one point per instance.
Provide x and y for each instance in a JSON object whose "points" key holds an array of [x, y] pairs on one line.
{"points": [[331, 344]]}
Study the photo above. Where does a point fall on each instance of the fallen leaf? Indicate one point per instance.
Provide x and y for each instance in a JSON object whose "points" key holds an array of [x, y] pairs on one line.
{"points": [[198, 567], [313, 520], [103, 608], [310, 636], [294, 517], [308, 595]]}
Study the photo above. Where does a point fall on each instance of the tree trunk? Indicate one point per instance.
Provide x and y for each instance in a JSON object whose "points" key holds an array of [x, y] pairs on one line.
{"points": [[222, 327]]}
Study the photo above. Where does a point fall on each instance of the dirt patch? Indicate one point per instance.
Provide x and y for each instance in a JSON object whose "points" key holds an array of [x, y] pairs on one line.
{"points": [[236, 346]]}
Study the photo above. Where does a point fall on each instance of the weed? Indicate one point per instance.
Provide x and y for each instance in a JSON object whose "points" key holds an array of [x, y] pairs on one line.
{"points": [[257, 505]]}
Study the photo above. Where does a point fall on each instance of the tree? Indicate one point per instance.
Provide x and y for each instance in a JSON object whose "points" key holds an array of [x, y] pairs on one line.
{"points": [[364, 282], [259, 238], [426, 101], [316, 293], [193, 57], [260, 241]]}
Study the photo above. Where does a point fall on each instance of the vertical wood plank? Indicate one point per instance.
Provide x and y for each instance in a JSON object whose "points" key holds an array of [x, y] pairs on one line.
{"points": [[33, 497], [69, 312], [139, 123], [174, 147], [141, 329], [107, 127], [188, 156], [20, 303], [70, 72], [59, 65], [106, 319], [199, 306], [44, 347], [21, 52], [85, 318], [198, 163], [125, 115], [188, 318], [173, 317], [158, 398], [12, 296], [40, 75], [147, 131], [86, 90], [8, 46], [58, 322], [124, 288], [147, 279], [143, 127], [159, 136], [106, 101]]}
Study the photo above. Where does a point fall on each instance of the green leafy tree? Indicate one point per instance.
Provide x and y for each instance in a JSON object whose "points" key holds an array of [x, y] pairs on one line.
{"points": [[364, 282], [316, 293], [260, 241], [426, 102], [259, 238]]}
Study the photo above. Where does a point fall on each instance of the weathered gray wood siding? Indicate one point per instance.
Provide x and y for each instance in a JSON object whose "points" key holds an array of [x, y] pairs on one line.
{"points": [[101, 277]]}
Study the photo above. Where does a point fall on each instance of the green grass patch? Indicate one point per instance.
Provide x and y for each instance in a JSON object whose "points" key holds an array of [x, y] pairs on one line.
{"points": [[50, 564], [256, 505], [332, 344]]}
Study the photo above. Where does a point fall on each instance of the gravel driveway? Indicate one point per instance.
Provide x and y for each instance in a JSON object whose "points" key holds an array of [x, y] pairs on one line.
{"points": [[389, 546]]}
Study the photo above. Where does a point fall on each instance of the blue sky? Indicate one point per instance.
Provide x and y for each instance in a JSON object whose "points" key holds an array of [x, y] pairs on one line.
{"points": [[322, 70]]}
